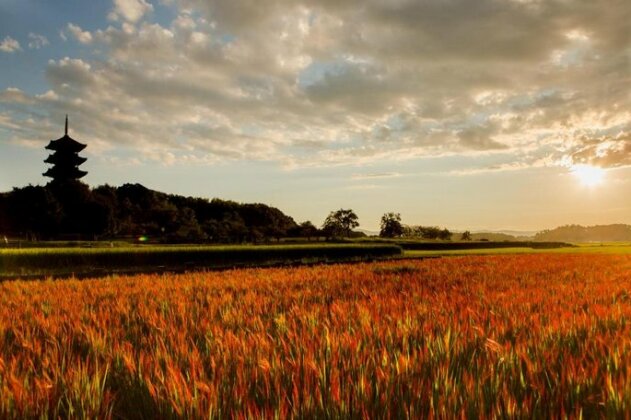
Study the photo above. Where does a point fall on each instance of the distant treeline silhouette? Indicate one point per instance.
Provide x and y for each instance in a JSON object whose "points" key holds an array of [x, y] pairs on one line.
{"points": [[578, 233], [72, 210]]}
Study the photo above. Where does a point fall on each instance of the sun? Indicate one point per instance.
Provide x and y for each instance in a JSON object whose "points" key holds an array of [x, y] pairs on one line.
{"points": [[589, 176]]}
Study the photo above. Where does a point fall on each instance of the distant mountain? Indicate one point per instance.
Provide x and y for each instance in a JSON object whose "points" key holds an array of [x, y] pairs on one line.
{"points": [[515, 233], [577, 233]]}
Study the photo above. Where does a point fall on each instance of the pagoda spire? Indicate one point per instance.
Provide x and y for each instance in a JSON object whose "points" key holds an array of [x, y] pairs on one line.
{"points": [[66, 129]]}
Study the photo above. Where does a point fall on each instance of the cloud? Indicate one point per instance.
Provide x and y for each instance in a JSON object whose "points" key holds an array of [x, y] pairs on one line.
{"points": [[502, 167], [349, 83], [480, 137], [13, 95], [130, 10], [37, 41], [9, 45], [380, 175], [606, 151], [84, 37], [70, 74]]}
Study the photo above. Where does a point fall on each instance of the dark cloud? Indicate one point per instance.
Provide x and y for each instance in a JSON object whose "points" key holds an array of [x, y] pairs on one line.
{"points": [[480, 138]]}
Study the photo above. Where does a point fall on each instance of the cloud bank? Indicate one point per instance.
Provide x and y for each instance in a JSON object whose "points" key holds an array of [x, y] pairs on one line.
{"points": [[345, 83]]}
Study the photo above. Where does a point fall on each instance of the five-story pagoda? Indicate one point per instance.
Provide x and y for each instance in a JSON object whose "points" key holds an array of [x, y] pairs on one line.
{"points": [[65, 158]]}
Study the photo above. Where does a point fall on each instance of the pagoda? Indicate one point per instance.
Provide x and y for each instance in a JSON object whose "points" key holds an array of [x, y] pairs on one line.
{"points": [[65, 158]]}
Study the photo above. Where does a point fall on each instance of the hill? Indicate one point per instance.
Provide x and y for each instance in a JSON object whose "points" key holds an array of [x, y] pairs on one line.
{"points": [[75, 211], [578, 233]]}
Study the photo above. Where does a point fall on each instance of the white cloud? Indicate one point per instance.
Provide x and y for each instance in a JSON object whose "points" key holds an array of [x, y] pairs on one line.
{"points": [[9, 45], [502, 167], [131, 10], [606, 151], [84, 37], [337, 83], [37, 41], [13, 95]]}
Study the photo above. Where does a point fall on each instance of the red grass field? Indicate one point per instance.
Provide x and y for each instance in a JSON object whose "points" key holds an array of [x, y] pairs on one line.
{"points": [[523, 335]]}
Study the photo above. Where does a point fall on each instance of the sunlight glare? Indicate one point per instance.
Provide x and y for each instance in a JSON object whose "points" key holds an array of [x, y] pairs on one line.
{"points": [[589, 176]]}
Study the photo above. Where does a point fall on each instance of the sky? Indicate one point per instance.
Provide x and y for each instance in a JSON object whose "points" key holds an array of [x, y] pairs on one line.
{"points": [[486, 114]]}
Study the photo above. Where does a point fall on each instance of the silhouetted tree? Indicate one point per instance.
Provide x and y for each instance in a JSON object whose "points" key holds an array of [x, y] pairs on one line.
{"points": [[408, 231], [445, 235], [428, 232], [186, 227], [466, 236], [308, 230], [266, 222], [391, 225], [340, 222], [107, 199], [33, 213], [4, 217]]}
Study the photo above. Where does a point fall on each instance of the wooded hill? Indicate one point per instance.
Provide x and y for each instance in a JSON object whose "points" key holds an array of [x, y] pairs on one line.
{"points": [[578, 233], [75, 211]]}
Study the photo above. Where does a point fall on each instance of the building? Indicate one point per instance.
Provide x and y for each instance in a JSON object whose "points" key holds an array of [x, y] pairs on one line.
{"points": [[65, 158]]}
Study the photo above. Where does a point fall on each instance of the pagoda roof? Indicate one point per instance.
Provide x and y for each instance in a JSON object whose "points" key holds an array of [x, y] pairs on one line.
{"points": [[66, 143], [72, 159], [64, 173]]}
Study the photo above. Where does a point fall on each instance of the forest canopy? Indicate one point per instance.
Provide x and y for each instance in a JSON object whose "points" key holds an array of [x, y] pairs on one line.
{"points": [[73, 210]]}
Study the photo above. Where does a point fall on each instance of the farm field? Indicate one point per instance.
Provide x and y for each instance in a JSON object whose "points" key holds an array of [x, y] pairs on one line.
{"points": [[583, 248], [532, 335], [101, 261], [97, 259]]}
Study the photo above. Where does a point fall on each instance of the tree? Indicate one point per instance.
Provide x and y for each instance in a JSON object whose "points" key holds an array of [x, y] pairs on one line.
{"points": [[445, 235], [466, 236], [340, 222], [391, 225], [307, 230], [408, 231], [33, 212], [187, 228], [428, 232]]}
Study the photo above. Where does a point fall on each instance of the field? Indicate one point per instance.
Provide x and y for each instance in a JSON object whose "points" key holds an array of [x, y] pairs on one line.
{"points": [[582, 248], [99, 261], [58, 259], [536, 335]]}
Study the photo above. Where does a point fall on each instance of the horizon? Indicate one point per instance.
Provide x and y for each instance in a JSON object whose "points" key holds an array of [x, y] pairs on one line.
{"points": [[473, 116]]}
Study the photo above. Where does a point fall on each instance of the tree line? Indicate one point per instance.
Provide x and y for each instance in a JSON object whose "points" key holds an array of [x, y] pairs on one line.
{"points": [[578, 233], [391, 227], [72, 210]]}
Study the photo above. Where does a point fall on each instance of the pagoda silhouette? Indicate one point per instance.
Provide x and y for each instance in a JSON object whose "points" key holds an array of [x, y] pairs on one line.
{"points": [[65, 158]]}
